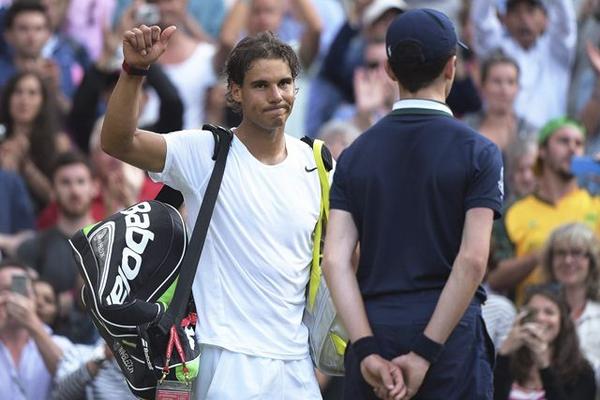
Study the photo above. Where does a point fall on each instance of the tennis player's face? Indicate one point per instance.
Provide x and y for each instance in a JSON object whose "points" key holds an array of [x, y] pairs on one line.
{"points": [[267, 94]]}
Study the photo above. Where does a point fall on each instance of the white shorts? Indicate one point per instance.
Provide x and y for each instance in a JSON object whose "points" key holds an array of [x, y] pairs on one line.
{"points": [[226, 375]]}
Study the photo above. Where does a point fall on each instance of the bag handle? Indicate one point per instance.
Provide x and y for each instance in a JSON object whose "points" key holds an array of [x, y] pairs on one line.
{"points": [[189, 264]]}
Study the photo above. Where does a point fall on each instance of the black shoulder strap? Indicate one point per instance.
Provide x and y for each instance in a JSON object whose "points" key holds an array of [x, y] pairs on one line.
{"points": [[187, 271], [325, 153], [174, 197]]}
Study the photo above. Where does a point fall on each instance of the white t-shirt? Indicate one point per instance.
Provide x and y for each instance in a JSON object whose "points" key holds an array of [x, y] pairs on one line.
{"points": [[252, 276], [588, 328]]}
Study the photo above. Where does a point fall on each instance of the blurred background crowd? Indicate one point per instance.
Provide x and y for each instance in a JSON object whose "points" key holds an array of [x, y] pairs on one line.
{"points": [[529, 81]]}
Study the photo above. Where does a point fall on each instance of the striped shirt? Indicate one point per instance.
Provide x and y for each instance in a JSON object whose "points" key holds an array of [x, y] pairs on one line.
{"points": [[74, 382]]}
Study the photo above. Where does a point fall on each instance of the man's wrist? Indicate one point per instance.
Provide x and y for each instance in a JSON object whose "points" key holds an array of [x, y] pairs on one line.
{"points": [[364, 347], [134, 71], [426, 348]]}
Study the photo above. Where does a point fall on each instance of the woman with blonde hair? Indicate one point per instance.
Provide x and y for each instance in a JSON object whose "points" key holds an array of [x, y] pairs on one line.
{"points": [[572, 259]]}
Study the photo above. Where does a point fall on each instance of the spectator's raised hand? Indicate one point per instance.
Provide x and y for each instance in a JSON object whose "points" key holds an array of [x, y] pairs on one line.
{"points": [[593, 53], [369, 89], [515, 338], [537, 341], [143, 45], [13, 152], [22, 310]]}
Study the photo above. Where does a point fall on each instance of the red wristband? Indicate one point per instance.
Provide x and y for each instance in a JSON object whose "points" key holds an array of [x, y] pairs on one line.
{"points": [[133, 70]]}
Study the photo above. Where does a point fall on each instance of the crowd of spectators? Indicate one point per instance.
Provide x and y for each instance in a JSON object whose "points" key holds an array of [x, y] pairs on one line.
{"points": [[529, 81]]}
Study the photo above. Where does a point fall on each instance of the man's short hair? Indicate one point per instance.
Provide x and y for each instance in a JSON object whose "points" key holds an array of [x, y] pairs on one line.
{"points": [[22, 6], [70, 158], [419, 43], [265, 45]]}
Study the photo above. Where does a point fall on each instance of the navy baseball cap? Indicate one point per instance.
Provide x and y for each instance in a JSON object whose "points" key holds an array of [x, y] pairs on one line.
{"points": [[430, 29]]}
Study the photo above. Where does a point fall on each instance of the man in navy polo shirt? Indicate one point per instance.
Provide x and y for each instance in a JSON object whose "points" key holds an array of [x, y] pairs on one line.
{"points": [[418, 191]]}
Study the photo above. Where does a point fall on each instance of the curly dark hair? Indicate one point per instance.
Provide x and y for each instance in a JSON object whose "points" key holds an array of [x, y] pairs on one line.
{"points": [[45, 126], [265, 45], [567, 359]]}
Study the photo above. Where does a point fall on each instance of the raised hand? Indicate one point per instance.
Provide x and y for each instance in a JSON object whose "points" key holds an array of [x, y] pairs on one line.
{"points": [[516, 336], [22, 310], [143, 45], [536, 340], [594, 55]]}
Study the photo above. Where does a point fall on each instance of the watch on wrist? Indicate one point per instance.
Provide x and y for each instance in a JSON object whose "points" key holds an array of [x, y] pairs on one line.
{"points": [[133, 70]]}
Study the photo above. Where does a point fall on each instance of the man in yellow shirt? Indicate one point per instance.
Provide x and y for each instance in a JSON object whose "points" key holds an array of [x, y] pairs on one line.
{"points": [[558, 200]]}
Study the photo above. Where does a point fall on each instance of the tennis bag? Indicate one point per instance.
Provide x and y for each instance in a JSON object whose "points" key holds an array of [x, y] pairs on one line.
{"points": [[138, 271], [327, 336]]}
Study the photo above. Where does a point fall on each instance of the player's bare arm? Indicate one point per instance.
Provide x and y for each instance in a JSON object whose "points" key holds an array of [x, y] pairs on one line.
{"points": [[142, 46]]}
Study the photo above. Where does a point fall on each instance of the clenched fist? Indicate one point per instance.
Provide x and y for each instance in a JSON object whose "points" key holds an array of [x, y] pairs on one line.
{"points": [[143, 45]]}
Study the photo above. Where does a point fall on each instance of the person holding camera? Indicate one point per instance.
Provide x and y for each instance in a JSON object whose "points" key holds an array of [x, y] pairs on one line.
{"points": [[29, 353], [540, 358]]}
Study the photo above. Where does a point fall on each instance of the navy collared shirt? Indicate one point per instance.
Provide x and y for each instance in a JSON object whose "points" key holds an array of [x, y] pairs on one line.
{"points": [[408, 182]]}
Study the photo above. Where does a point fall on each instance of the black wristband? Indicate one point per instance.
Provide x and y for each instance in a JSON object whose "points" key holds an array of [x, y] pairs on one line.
{"points": [[133, 70], [364, 347], [426, 348]]}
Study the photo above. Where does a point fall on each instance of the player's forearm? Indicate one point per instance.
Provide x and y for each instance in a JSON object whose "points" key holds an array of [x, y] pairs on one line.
{"points": [[467, 274], [120, 121]]}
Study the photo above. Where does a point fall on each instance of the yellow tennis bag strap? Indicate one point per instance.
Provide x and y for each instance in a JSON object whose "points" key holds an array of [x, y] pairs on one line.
{"points": [[323, 172], [324, 164]]}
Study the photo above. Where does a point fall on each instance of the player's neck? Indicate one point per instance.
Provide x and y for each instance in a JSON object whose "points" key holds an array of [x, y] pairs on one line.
{"points": [[267, 146]]}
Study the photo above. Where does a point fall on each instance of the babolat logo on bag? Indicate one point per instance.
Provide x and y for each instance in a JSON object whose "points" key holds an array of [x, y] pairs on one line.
{"points": [[130, 263], [137, 236]]}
